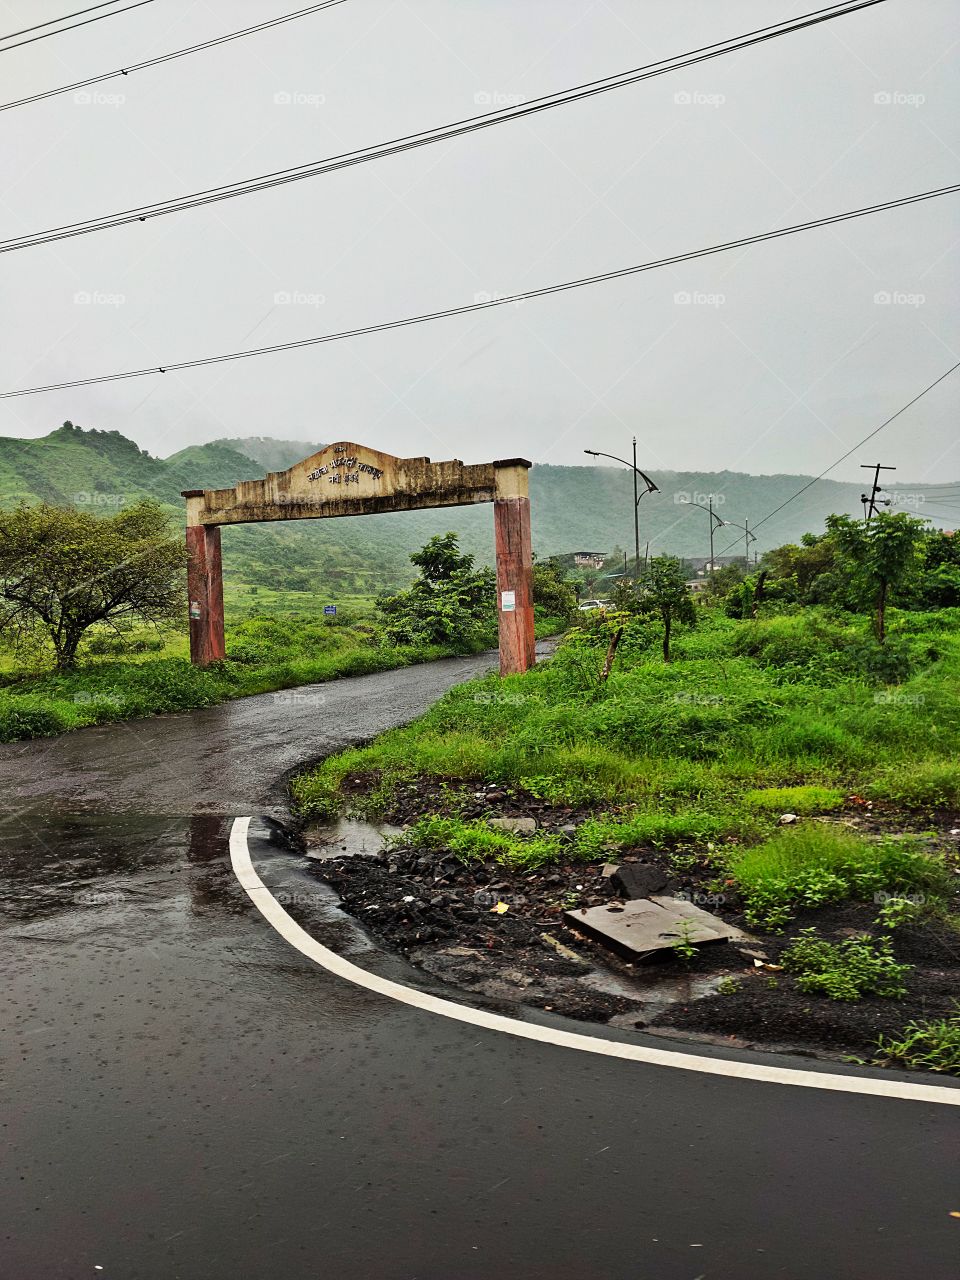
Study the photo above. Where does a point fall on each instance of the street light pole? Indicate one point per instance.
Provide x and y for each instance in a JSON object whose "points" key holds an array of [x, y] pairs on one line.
{"points": [[715, 522], [650, 488], [636, 513], [710, 509]]}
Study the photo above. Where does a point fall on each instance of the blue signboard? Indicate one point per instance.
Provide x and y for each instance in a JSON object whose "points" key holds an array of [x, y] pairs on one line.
{"points": [[329, 610]]}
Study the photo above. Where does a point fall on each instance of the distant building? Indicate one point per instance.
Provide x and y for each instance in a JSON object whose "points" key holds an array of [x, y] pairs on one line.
{"points": [[701, 564], [589, 559]]}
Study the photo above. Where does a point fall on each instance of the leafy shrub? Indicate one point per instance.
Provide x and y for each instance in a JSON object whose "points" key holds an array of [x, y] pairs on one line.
{"points": [[845, 970]]}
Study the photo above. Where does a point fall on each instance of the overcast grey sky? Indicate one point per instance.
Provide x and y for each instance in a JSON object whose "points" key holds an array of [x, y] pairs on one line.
{"points": [[781, 360]]}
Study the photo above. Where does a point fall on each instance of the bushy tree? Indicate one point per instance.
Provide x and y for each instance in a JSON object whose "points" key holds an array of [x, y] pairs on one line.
{"points": [[663, 591], [63, 570], [885, 555], [449, 603]]}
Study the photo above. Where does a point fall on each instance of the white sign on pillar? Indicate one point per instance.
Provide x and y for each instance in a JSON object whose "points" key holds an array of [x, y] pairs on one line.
{"points": [[508, 601]]}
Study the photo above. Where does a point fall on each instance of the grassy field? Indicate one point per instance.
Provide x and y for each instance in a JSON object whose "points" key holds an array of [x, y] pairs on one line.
{"points": [[275, 640], [750, 721]]}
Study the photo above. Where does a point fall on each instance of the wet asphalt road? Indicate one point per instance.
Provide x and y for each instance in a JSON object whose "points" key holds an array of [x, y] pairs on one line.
{"points": [[187, 1097]]}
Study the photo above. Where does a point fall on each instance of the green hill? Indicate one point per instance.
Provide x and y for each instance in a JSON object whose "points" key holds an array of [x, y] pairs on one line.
{"points": [[573, 508]]}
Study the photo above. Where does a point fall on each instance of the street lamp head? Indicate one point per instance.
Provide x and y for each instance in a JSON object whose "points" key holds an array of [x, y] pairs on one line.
{"points": [[592, 452]]}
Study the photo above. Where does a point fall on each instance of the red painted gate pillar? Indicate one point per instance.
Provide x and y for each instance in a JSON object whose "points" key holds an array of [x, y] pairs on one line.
{"points": [[511, 523], [204, 586]]}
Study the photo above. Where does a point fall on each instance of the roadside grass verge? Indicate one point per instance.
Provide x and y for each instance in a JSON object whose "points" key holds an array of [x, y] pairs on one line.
{"points": [[816, 864], [698, 757], [263, 655]]}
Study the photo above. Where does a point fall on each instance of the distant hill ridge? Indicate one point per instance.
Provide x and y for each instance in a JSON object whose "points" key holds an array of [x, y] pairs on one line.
{"points": [[573, 508]]}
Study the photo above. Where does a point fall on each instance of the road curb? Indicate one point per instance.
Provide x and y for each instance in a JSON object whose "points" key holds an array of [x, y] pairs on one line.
{"points": [[297, 937]]}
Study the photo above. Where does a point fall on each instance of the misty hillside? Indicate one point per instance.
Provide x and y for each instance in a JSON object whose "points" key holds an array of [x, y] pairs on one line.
{"points": [[573, 508]]}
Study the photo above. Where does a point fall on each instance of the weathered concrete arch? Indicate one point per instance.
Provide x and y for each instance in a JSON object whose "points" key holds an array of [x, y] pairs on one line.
{"points": [[347, 479]]}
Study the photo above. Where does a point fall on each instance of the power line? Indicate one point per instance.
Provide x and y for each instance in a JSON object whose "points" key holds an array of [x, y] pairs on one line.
{"points": [[85, 23], [169, 57], [859, 445], [53, 21], [426, 137], [544, 291]]}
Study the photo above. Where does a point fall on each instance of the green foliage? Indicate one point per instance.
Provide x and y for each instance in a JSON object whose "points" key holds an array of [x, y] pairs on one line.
{"points": [[918, 784], [684, 948], [845, 970], [931, 1044], [663, 592], [885, 555], [450, 603], [815, 863], [553, 596], [63, 570], [899, 911], [476, 841]]}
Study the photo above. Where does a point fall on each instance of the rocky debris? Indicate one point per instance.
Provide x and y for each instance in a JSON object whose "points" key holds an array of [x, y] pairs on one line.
{"points": [[638, 879], [787, 819]]}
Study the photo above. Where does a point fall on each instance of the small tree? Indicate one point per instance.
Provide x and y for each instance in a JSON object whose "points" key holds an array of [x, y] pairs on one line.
{"points": [[63, 570], [885, 554], [551, 591], [449, 603], [664, 592]]}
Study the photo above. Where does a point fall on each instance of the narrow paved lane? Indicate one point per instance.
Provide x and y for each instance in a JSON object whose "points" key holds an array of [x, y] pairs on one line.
{"points": [[187, 1097], [231, 758]]}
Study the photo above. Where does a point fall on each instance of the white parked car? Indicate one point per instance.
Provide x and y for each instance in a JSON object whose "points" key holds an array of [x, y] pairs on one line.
{"points": [[589, 604]]}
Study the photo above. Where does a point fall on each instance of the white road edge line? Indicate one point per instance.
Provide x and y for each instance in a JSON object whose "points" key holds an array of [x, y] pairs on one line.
{"points": [[288, 928]]}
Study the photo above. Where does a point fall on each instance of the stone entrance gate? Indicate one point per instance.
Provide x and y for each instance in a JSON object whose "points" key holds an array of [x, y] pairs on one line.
{"points": [[347, 479]]}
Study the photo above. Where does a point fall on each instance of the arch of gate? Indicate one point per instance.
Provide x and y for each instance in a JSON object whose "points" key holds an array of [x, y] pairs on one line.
{"points": [[348, 479]]}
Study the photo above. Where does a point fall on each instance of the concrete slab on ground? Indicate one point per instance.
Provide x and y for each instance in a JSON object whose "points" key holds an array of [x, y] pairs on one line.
{"points": [[645, 925]]}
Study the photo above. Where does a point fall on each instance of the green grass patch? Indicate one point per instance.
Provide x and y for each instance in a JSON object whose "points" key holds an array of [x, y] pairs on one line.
{"points": [[800, 800], [816, 863], [931, 1044], [476, 841]]}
